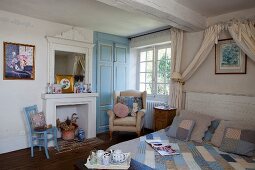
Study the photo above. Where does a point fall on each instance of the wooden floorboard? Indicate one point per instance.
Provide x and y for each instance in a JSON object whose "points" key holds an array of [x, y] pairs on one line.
{"points": [[21, 160]]}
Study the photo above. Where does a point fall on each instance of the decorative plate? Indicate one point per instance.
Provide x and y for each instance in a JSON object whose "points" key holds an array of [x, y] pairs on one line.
{"points": [[67, 82]]}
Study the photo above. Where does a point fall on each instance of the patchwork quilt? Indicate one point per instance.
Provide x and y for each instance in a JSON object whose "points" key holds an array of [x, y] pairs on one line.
{"points": [[192, 155]]}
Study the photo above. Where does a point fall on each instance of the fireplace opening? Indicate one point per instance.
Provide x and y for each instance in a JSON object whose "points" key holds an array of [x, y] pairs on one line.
{"points": [[79, 111]]}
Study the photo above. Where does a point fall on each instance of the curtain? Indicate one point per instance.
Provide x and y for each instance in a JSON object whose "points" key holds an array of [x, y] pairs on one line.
{"points": [[211, 35], [79, 65], [244, 35], [175, 87]]}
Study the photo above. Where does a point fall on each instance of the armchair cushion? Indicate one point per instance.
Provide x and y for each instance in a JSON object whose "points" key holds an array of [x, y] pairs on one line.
{"points": [[129, 102], [126, 121], [120, 110]]}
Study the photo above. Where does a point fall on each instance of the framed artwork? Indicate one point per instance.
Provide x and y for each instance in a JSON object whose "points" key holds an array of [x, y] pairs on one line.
{"points": [[229, 58], [19, 61], [66, 82]]}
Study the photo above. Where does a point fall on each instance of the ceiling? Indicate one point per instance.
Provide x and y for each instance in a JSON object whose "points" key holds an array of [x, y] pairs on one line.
{"points": [[210, 8], [98, 16]]}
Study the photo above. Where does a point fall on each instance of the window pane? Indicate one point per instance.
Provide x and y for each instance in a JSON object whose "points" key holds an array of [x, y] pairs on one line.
{"points": [[142, 87], [149, 88], [167, 88], [161, 53], [143, 56], [142, 77], [168, 53], [148, 66], [160, 89], [163, 68], [149, 55], [142, 67], [161, 78], [148, 77]]}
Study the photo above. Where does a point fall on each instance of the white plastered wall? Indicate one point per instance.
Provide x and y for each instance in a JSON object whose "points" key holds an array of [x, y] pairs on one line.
{"points": [[205, 79], [16, 94]]}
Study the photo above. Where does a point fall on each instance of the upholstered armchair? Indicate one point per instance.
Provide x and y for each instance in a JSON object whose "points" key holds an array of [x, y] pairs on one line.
{"points": [[129, 123]]}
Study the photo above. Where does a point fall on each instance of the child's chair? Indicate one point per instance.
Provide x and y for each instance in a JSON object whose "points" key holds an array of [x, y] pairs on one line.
{"points": [[38, 136]]}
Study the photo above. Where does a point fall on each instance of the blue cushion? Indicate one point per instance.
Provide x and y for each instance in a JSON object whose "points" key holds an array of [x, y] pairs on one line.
{"points": [[211, 129]]}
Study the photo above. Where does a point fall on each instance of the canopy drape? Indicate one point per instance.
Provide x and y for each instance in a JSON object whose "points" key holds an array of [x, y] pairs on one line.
{"points": [[243, 32]]}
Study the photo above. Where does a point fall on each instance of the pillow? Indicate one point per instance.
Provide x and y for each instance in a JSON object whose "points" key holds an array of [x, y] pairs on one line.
{"points": [[238, 141], [38, 121], [181, 129], [211, 129], [129, 101], [202, 123], [219, 132], [120, 110]]}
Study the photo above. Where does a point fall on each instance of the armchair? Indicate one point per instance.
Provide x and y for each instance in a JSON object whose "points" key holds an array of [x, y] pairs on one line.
{"points": [[129, 123]]}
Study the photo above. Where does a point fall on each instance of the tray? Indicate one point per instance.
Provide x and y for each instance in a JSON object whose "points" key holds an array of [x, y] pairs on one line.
{"points": [[124, 165]]}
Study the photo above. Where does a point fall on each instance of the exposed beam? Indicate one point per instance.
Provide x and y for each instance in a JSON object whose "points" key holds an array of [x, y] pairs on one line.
{"points": [[167, 11]]}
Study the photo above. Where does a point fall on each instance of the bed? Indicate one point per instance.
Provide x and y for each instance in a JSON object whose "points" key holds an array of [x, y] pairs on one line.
{"points": [[194, 155]]}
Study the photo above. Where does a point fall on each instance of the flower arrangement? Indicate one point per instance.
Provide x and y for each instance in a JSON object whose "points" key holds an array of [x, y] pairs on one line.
{"points": [[68, 127], [68, 124]]}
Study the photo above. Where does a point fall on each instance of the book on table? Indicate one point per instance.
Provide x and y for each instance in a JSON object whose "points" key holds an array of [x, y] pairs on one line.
{"points": [[163, 148]]}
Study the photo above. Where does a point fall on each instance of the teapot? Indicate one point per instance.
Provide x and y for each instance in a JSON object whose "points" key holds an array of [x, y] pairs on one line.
{"points": [[118, 156]]}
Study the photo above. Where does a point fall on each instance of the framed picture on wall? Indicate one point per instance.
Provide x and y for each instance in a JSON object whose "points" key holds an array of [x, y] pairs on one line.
{"points": [[19, 62], [66, 82], [229, 58]]}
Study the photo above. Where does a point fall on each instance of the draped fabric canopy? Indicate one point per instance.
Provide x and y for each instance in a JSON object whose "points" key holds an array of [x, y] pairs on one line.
{"points": [[243, 33]]}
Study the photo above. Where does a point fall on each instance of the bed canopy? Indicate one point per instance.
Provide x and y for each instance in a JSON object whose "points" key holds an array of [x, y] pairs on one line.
{"points": [[242, 32]]}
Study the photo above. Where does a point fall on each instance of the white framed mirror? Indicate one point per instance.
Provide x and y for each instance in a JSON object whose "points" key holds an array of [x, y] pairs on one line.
{"points": [[69, 57]]}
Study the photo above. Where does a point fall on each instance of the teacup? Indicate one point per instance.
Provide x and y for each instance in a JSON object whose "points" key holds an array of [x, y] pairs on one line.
{"points": [[106, 158], [99, 154]]}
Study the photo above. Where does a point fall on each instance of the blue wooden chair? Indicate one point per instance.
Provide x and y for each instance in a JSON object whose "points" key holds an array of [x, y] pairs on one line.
{"points": [[39, 137]]}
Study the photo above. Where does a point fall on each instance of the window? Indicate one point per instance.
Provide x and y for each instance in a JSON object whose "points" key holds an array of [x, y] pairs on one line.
{"points": [[154, 70]]}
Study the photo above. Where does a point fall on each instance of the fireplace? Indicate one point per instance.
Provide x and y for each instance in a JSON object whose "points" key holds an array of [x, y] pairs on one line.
{"points": [[83, 103]]}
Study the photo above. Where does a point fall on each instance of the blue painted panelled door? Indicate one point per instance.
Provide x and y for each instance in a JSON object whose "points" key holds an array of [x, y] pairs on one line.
{"points": [[112, 66]]}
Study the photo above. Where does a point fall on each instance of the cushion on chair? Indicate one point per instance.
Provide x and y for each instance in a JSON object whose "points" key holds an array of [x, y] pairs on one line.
{"points": [[120, 110], [126, 121], [238, 141], [38, 121], [129, 100]]}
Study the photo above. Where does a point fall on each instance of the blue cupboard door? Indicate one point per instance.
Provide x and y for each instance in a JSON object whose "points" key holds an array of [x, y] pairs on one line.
{"points": [[120, 67], [104, 83]]}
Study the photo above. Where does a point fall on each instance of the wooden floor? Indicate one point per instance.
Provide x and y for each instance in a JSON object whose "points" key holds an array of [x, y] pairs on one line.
{"points": [[65, 161]]}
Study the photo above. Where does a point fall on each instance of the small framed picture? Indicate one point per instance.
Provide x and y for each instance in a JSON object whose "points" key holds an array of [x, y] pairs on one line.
{"points": [[229, 58], [66, 82], [19, 62]]}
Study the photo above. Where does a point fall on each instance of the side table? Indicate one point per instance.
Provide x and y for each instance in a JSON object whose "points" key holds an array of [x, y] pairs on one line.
{"points": [[163, 117]]}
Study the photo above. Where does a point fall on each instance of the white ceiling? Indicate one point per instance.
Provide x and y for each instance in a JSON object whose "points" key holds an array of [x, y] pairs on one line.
{"points": [[210, 8], [104, 18]]}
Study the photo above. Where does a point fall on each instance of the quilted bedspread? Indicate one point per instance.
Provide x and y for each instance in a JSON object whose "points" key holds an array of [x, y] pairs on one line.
{"points": [[192, 155]]}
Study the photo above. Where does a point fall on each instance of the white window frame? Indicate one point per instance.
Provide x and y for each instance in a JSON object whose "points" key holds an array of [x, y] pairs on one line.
{"points": [[155, 49]]}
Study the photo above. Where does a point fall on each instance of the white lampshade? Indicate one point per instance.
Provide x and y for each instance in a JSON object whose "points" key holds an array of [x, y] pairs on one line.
{"points": [[176, 76]]}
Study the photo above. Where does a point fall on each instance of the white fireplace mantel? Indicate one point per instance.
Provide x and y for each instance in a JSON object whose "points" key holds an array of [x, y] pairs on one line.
{"points": [[52, 101]]}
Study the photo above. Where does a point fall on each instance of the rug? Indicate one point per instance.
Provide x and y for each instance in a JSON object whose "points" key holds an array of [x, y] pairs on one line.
{"points": [[66, 146]]}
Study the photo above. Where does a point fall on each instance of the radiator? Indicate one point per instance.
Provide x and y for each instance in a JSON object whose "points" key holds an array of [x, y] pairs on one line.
{"points": [[148, 119]]}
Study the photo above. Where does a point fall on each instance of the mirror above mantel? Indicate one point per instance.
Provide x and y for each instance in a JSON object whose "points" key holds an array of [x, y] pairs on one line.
{"points": [[68, 56]]}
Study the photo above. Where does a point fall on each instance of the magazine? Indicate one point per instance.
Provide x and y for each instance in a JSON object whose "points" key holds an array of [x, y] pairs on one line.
{"points": [[162, 148]]}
